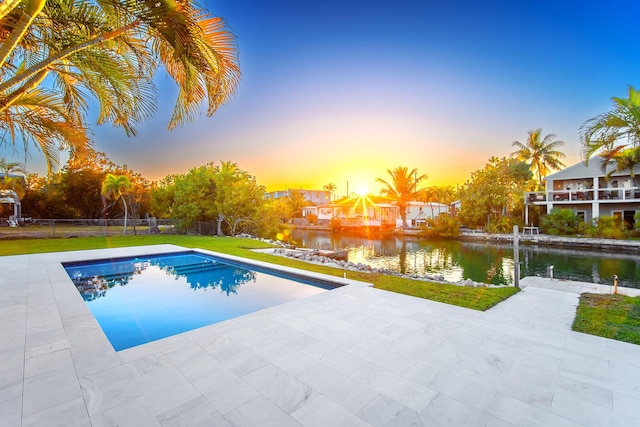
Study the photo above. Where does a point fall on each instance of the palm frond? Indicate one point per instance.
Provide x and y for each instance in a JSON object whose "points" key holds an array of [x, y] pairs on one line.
{"points": [[109, 50], [40, 117]]}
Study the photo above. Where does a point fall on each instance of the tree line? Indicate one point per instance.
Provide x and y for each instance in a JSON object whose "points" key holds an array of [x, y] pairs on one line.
{"points": [[492, 197], [58, 57]]}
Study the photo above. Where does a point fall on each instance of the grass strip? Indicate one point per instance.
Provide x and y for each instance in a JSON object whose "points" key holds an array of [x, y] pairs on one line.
{"points": [[609, 316], [475, 298]]}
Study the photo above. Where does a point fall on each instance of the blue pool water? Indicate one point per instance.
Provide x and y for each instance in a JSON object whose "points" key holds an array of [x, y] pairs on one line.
{"points": [[142, 299]]}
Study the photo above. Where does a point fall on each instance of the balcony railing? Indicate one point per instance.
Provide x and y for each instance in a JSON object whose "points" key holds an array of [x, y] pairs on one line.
{"points": [[570, 195], [609, 193]]}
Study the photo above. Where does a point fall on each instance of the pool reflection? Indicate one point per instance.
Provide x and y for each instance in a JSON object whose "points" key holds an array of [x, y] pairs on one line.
{"points": [[199, 274]]}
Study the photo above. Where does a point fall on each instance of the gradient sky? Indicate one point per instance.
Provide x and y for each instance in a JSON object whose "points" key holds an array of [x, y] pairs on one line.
{"points": [[338, 91]]}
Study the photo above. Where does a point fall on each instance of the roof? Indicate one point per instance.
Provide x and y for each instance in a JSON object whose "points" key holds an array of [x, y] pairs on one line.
{"points": [[593, 169]]}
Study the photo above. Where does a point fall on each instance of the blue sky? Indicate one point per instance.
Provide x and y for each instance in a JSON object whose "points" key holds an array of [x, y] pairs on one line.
{"points": [[338, 91]]}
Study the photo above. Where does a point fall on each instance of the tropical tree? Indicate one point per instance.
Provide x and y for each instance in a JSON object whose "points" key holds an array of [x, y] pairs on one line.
{"points": [[189, 197], [615, 135], [57, 55], [402, 188], [238, 199], [541, 154], [162, 197], [330, 188], [116, 186], [81, 191], [11, 168], [214, 193], [296, 202], [445, 194], [492, 197]]}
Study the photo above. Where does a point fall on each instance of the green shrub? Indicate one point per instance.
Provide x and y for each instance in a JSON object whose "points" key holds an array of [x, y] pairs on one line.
{"points": [[561, 221], [607, 227], [502, 225], [444, 225]]}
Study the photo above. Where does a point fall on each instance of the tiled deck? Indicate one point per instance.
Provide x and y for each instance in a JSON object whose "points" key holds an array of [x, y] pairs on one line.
{"points": [[354, 356]]}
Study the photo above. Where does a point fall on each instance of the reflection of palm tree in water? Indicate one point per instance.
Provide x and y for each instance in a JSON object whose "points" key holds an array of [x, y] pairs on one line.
{"points": [[239, 278], [201, 274], [491, 273], [218, 276], [403, 257]]}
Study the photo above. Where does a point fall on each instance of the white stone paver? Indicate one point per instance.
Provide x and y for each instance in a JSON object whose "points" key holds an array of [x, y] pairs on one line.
{"points": [[354, 356]]}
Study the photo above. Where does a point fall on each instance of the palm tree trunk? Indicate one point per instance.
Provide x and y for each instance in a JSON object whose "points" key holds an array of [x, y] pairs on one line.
{"points": [[32, 9], [125, 215], [539, 181], [219, 225], [7, 7], [31, 84]]}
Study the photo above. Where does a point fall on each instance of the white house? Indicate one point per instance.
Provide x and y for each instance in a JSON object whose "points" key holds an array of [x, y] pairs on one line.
{"points": [[353, 214], [419, 212], [584, 189], [326, 212], [317, 197]]}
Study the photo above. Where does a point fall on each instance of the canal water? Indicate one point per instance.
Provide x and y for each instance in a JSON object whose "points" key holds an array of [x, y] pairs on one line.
{"points": [[480, 262]]}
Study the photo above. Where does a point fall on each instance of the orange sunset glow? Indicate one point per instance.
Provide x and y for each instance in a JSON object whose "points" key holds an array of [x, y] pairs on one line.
{"points": [[330, 94]]}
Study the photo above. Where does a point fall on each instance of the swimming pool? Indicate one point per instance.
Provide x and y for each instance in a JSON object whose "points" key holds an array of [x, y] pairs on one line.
{"points": [[141, 299]]}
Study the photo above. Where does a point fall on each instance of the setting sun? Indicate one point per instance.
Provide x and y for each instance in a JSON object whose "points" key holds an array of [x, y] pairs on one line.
{"points": [[362, 190]]}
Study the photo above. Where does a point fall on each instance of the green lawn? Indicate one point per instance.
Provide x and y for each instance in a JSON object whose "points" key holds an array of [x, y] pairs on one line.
{"points": [[609, 316], [475, 298]]}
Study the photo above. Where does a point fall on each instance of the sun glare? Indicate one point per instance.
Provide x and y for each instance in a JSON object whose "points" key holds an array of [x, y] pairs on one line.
{"points": [[362, 191]]}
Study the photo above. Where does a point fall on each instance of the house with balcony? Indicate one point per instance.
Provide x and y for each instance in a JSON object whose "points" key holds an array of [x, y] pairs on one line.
{"points": [[586, 190]]}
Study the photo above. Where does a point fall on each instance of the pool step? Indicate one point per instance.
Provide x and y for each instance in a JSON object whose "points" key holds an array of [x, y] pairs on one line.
{"points": [[197, 268], [183, 269]]}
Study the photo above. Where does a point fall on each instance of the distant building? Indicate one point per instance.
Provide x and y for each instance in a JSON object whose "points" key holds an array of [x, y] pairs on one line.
{"points": [[353, 214], [419, 212], [317, 197]]}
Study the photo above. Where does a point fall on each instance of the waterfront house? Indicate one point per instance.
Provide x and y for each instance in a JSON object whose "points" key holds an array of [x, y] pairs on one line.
{"points": [[355, 213], [317, 197], [419, 212], [380, 215], [586, 190], [328, 211], [309, 210]]}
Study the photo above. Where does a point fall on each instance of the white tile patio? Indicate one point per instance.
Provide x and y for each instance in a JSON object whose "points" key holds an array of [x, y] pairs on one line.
{"points": [[353, 356]]}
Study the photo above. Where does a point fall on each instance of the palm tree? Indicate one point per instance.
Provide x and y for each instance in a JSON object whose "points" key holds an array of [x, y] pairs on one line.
{"points": [[403, 188], [40, 117], [68, 52], [615, 135], [116, 186], [296, 202], [11, 168], [542, 155], [329, 188], [625, 159]]}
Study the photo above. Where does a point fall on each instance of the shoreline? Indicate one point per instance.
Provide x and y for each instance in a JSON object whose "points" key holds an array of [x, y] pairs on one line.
{"points": [[568, 242]]}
